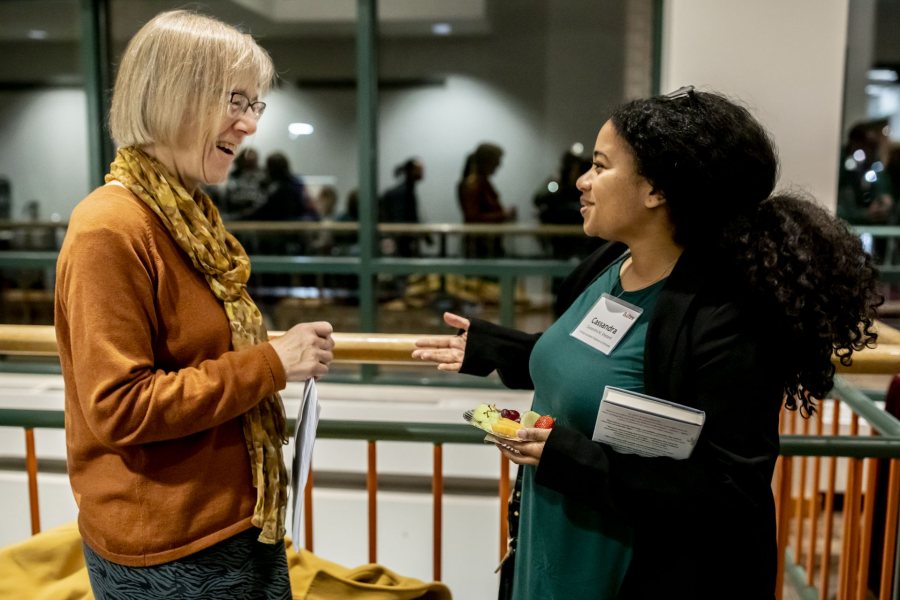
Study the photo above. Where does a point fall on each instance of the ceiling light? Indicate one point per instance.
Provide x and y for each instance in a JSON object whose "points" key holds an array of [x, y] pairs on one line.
{"points": [[298, 129], [442, 29], [882, 75], [37, 34]]}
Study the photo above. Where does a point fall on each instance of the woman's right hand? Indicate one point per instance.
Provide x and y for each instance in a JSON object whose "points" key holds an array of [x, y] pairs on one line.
{"points": [[447, 352], [305, 350]]}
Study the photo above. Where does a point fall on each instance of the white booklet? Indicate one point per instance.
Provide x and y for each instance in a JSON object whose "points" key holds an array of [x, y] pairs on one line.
{"points": [[304, 438], [634, 423]]}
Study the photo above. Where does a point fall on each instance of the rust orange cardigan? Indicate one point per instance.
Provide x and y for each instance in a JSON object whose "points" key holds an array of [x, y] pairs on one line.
{"points": [[153, 394]]}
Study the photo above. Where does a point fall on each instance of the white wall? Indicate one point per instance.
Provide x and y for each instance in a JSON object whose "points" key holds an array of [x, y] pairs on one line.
{"points": [[45, 152], [784, 59]]}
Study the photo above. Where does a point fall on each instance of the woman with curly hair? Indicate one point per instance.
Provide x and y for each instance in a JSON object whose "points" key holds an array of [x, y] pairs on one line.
{"points": [[742, 298]]}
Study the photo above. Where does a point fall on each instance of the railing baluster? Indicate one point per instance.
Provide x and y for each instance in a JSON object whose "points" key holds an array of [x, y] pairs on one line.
{"points": [[31, 467], [372, 489], [824, 581], [814, 509], [437, 490], [801, 502], [891, 522], [782, 516], [851, 522], [308, 512], [504, 505], [868, 516]]}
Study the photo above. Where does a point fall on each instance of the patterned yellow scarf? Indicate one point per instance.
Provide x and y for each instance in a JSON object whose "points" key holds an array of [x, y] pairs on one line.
{"points": [[195, 224]]}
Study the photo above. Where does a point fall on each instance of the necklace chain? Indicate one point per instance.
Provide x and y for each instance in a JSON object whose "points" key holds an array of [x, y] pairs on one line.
{"points": [[658, 278]]}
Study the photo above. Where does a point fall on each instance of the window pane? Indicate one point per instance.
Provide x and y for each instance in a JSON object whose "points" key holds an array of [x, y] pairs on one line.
{"points": [[44, 165], [534, 80], [303, 164], [869, 169]]}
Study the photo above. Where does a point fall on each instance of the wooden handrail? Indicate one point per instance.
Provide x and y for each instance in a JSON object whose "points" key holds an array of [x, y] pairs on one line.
{"points": [[395, 348], [537, 229], [369, 348]]}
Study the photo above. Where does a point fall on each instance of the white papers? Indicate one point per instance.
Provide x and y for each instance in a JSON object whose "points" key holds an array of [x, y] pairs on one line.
{"points": [[304, 438], [634, 423]]}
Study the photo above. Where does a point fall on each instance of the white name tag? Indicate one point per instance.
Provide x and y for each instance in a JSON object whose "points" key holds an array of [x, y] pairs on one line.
{"points": [[606, 323]]}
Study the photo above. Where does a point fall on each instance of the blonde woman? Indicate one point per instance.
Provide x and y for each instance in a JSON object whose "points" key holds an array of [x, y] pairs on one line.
{"points": [[174, 425]]}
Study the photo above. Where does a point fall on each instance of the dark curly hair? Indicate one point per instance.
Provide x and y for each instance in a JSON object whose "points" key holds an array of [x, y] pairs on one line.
{"points": [[716, 167]]}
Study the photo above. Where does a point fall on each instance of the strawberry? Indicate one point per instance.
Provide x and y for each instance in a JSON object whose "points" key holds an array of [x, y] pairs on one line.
{"points": [[545, 422]]}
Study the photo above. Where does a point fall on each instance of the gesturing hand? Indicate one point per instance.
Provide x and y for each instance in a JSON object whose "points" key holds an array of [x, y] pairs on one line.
{"points": [[447, 352], [305, 350]]}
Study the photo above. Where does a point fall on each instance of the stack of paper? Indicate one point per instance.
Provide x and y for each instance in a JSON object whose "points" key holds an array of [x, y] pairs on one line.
{"points": [[304, 438]]}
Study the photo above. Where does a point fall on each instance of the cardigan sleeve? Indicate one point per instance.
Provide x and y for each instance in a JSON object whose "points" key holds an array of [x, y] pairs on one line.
{"points": [[735, 452], [108, 327]]}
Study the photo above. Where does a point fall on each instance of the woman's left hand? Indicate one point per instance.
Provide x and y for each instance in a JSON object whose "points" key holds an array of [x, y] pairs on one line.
{"points": [[530, 446]]}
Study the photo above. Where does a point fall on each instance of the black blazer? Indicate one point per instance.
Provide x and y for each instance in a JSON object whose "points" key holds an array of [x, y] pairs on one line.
{"points": [[704, 527]]}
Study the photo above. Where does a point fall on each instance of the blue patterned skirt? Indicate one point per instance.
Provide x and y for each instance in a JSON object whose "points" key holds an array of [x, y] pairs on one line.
{"points": [[239, 567]]}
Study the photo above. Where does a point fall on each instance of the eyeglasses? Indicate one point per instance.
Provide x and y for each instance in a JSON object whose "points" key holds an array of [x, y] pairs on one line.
{"points": [[238, 104], [685, 91]]}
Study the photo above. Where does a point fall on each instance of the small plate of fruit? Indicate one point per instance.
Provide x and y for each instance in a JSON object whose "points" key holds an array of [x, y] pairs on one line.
{"points": [[504, 423]]}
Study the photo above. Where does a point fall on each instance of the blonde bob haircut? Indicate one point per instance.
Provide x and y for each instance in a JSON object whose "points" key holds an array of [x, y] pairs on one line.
{"points": [[175, 76]]}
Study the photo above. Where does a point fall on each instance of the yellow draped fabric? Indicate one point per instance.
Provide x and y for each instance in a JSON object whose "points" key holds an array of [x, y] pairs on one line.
{"points": [[50, 566], [195, 224]]}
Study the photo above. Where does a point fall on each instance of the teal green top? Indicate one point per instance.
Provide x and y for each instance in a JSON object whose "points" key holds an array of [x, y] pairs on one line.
{"points": [[567, 551]]}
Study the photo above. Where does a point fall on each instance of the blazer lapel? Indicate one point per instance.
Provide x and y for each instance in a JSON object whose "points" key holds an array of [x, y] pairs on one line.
{"points": [[664, 352]]}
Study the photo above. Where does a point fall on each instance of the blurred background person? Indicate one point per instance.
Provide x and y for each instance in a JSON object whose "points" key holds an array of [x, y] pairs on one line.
{"points": [[480, 202], [325, 204], [559, 203], [400, 204], [865, 196], [286, 200], [347, 243], [244, 191]]}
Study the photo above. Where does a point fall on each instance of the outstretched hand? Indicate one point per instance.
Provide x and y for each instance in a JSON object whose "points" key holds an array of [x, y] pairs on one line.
{"points": [[448, 352]]}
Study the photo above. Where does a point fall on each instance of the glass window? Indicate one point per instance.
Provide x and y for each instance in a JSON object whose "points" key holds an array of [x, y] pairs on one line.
{"points": [[488, 112], [44, 167], [869, 169], [305, 149]]}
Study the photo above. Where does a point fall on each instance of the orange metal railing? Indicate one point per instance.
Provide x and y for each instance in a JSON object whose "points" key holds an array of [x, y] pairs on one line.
{"points": [[808, 484], [834, 562]]}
